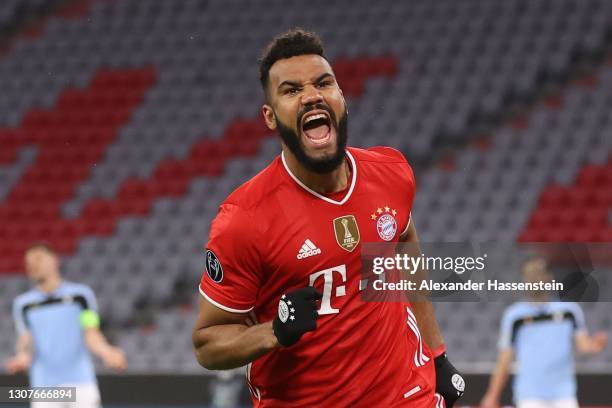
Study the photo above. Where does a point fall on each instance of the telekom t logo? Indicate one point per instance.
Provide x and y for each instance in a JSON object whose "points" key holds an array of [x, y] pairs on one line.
{"points": [[328, 284]]}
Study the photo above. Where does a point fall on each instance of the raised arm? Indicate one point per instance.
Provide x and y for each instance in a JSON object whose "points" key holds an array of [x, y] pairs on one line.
{"points": [[225, 340], [222, 340]]}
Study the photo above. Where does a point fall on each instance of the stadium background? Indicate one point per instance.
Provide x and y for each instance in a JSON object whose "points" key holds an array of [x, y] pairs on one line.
{"points": [[124, 123]]}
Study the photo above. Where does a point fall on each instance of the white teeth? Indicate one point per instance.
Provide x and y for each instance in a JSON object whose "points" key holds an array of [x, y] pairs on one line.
{"points": [[313, 117]]}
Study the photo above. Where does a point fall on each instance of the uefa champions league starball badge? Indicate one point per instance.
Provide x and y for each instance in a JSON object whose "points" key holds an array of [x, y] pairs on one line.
{"points": [[386, 225], [285, 310]]}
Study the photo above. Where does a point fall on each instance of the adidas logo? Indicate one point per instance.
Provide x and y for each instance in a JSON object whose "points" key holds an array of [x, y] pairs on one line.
{"points": [[308, 249]]}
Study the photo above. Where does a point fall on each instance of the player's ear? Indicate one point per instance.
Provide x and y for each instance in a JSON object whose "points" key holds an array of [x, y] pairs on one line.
{"points": [[343, 99], [269, 116]]}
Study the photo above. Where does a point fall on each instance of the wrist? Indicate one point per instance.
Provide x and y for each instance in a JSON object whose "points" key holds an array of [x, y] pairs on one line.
{"points": [[106, 352], [271, 341], [494, 391], [438, 351], [450, 384], [493, 395], [24, 356]]}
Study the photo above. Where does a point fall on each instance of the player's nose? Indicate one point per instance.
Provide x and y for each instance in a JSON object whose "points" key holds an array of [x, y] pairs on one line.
{"points": [[311, 95]]}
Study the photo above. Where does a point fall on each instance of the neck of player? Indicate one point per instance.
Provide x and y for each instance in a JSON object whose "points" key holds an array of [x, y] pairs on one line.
{"points": [[540, 297], [322, 183], [50, 284]]}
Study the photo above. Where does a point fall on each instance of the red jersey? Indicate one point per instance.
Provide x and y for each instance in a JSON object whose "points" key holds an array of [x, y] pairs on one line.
{"points": [[273, 235]]}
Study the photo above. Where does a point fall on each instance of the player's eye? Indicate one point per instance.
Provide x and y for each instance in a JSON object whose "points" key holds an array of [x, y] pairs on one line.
{"points": [[292, 91], [324, 84]]}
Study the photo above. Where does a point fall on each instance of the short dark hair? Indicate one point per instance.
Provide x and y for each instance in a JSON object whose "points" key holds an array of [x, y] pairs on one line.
{"points": [[44, 245], [294, 42]]}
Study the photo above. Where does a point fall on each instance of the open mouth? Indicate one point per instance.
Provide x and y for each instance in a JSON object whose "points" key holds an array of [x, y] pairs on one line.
{"points": [[316, 127]]}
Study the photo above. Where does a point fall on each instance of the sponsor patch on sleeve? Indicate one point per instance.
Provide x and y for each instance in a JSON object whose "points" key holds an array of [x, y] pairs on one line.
{"points": [[213, 267]]}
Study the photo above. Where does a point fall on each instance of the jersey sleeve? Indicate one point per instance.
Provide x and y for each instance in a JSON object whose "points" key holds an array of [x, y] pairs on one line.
{"points": [[505, 332], [232, 265], [405, 177], [411, 192], [91, 303], [576, 311], [18, 317]]}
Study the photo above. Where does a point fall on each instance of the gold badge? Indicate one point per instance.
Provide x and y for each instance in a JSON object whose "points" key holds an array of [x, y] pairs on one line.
{"points": [[347, 232]]}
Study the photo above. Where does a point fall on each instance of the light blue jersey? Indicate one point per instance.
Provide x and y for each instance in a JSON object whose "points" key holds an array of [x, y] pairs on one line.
{"points": [[60, 355], [542, 337]]}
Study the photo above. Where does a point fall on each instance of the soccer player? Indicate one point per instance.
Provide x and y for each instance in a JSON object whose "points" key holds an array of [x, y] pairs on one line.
{"points": [[284, 252], [57, 326], [542, 334]]}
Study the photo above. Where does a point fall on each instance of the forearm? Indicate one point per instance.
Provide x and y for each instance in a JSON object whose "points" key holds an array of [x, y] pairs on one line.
{"points": [[23, 355], [427, 323], [24, 345], [228, 346], [497, 384], [96, 342], [500, 375], [421, 304]]}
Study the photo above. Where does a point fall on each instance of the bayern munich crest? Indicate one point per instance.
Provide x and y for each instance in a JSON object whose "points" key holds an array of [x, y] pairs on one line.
{"points": [[284, 311], [386, 225]]}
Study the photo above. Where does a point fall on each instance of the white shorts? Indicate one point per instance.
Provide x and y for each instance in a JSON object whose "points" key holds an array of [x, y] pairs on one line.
{"points": [[87, 396], [559, 403]]}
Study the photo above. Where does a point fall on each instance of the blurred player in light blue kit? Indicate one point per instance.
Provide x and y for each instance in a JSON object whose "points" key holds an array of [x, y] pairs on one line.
{"points": [[57, 327], [542, 336]]}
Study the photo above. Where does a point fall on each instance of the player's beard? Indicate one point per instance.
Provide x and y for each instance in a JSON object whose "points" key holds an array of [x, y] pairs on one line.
{"points": [[294, 143]]}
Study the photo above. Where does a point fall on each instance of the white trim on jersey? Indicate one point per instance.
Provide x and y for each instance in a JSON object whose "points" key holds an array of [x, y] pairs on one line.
{"points": [[363, 283], [322, 197], [420, 359], [220, 306], [440, 402], [254, 390], [407, 225], [412, 391]]}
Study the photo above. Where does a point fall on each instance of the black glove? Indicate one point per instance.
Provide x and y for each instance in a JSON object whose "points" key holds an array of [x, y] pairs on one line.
{"points": [[449, 383], [297, 314]]}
